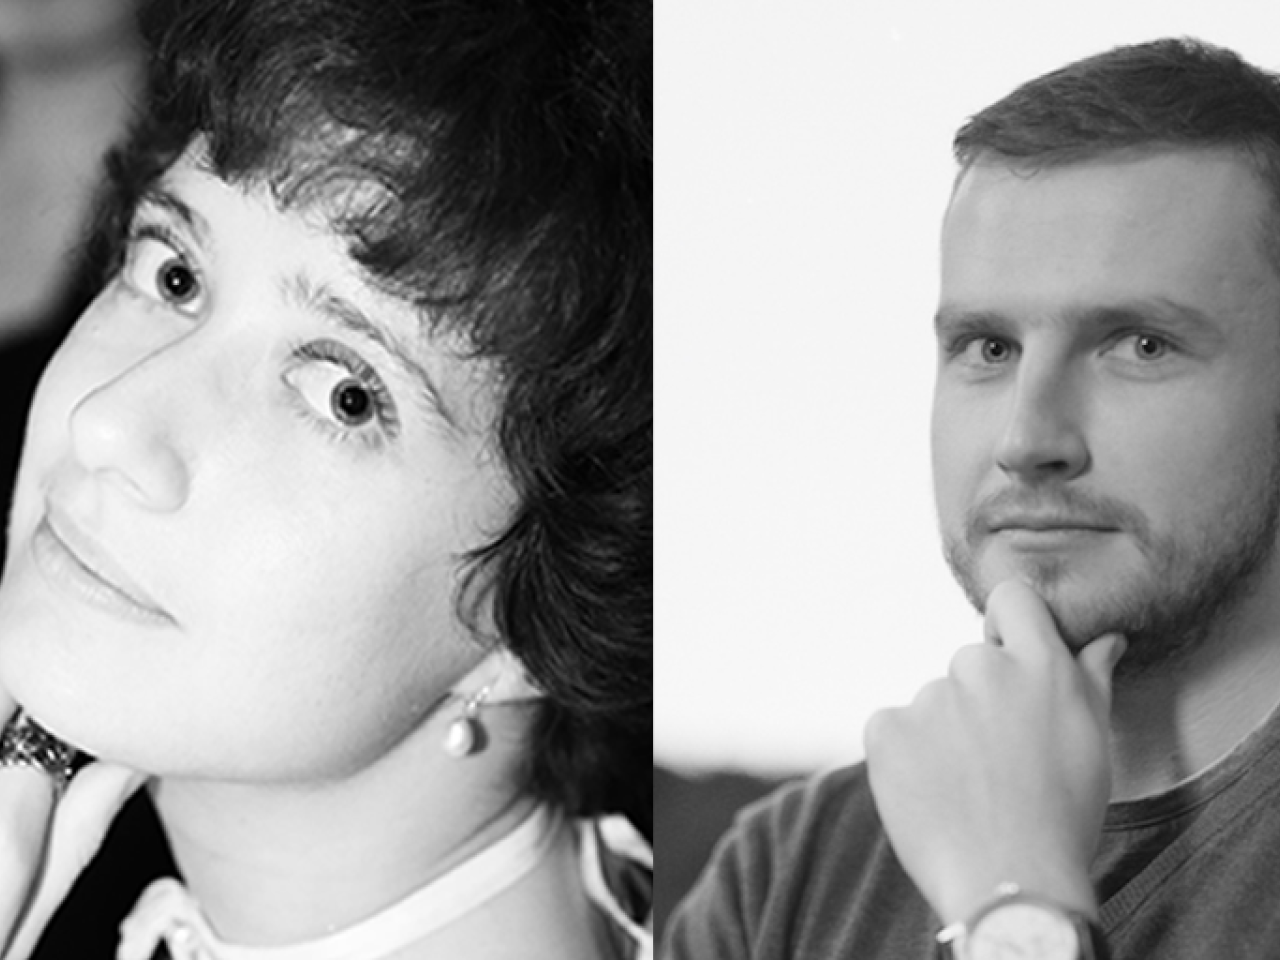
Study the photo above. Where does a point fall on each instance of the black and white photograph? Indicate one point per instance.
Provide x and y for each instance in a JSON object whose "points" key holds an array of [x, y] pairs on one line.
{"points": [[968, 604]]}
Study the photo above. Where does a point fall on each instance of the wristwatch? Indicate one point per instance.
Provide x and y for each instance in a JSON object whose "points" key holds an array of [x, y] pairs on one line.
{"points": [[1016, 925]]}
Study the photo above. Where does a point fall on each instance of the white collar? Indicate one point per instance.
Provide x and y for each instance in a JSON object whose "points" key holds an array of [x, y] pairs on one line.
{"points": [[168, 912]]}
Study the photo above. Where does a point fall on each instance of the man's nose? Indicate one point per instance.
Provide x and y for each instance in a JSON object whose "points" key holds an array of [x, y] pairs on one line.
{"points": [[1043, 437]]}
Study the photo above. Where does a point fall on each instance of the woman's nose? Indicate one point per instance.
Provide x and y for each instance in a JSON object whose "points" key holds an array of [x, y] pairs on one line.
{"points": [[122, 432]]}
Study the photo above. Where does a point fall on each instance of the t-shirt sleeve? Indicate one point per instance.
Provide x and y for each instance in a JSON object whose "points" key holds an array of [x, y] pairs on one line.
{"points": [[714, 921], [805, 874]]}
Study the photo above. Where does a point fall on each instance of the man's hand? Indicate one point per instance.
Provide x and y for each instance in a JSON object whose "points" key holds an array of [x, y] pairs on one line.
{"points": [[1000, 772]]}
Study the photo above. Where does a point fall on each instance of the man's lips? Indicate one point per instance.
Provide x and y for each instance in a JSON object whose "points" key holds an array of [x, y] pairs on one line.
{"points": [[1053, 519], [1046, 524], [1032, 522], [94, 563]]}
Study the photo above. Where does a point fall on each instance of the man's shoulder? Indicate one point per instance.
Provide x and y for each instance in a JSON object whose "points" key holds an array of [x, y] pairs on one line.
{"points": [[798, 812], [805, 872], [806, 834]]}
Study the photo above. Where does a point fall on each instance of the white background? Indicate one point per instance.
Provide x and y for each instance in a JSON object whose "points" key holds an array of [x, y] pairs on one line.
{"points": [[803, 167]]}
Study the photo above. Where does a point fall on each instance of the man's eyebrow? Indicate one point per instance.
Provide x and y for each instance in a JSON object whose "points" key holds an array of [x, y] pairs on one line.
{"points": [[157, 196], [320, 299], [955, 321], [1154, 310], [1158, 311]]}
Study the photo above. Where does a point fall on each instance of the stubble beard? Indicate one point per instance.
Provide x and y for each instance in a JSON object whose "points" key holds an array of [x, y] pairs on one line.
{"points": [[1191, 585]]}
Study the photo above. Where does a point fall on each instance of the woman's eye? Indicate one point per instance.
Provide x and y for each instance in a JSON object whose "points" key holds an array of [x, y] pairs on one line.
{"points": [[342, 392], [333, 393], [351, 402], [178, 281], [155, 268]]}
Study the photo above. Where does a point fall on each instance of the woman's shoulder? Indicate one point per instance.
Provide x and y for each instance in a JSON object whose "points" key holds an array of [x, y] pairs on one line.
{"points": [[617, 874]]}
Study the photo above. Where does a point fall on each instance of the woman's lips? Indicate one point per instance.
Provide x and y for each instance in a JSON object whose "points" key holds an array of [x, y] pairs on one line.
{"points": [[77, 564]]}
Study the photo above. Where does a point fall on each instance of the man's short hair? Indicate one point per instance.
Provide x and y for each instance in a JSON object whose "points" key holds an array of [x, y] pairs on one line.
{"points": [[1166, 94]]}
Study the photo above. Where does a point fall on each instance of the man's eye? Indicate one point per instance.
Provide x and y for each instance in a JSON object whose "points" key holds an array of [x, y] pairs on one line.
{"points": [[157, 270], [1147, 346], [983, 351], [994, 350]]}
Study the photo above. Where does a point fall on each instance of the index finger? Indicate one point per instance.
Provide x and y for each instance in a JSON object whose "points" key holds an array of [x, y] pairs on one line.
{"points": [[1018, 619]]}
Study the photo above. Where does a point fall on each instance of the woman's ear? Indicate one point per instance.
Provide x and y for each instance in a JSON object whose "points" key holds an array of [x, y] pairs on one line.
{"points": [[503, 675]]}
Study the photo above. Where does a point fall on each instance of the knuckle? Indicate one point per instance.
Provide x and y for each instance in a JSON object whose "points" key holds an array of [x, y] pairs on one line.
{"points": [[931, 697], [970, 662]]}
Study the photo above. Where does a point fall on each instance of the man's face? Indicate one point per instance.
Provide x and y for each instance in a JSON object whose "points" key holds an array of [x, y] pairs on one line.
{"points": [[1108, 391]]}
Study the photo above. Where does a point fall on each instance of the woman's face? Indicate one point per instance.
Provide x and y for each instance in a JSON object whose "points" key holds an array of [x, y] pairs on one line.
{"points": [[248, 480]]}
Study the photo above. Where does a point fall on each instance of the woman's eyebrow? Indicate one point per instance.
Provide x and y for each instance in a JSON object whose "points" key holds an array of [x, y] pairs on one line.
{"points": [[157, 196], [319, 298]]}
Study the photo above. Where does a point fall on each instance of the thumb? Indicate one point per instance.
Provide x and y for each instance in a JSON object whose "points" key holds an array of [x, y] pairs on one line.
{"points": [[1098, 661]]}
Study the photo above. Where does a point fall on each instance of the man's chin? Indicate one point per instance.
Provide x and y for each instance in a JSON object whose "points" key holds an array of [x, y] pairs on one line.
{"points": [[1082, 620], [1083, 607]]}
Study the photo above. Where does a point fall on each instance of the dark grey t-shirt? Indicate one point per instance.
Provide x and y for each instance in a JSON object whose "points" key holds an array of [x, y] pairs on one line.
{"points": [[808, 874]]}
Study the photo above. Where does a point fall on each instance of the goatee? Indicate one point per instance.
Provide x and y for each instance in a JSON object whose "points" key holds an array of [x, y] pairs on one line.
{"points": [[1189, 586]]}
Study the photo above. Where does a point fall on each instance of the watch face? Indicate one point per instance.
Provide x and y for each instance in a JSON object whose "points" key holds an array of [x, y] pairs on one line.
{"points": [[1023, 931]]}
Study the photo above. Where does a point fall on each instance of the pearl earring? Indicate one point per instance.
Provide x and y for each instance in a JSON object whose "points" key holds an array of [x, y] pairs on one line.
{"points": [[465, 735]]}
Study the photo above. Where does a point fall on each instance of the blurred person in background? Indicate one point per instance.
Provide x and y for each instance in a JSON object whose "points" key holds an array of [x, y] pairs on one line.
{"points": [[71, 72]]}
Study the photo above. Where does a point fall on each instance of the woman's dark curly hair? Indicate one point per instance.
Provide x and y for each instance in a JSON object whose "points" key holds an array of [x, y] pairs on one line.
{"points": [[509, 148]]}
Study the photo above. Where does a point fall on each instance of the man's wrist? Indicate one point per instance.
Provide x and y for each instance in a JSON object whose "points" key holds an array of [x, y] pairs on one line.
{"points": [[1071, 890], [1034, 926]]}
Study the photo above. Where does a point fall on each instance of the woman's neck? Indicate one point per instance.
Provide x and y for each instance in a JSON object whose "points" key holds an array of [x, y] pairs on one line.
{"points": [[276, 864]]}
